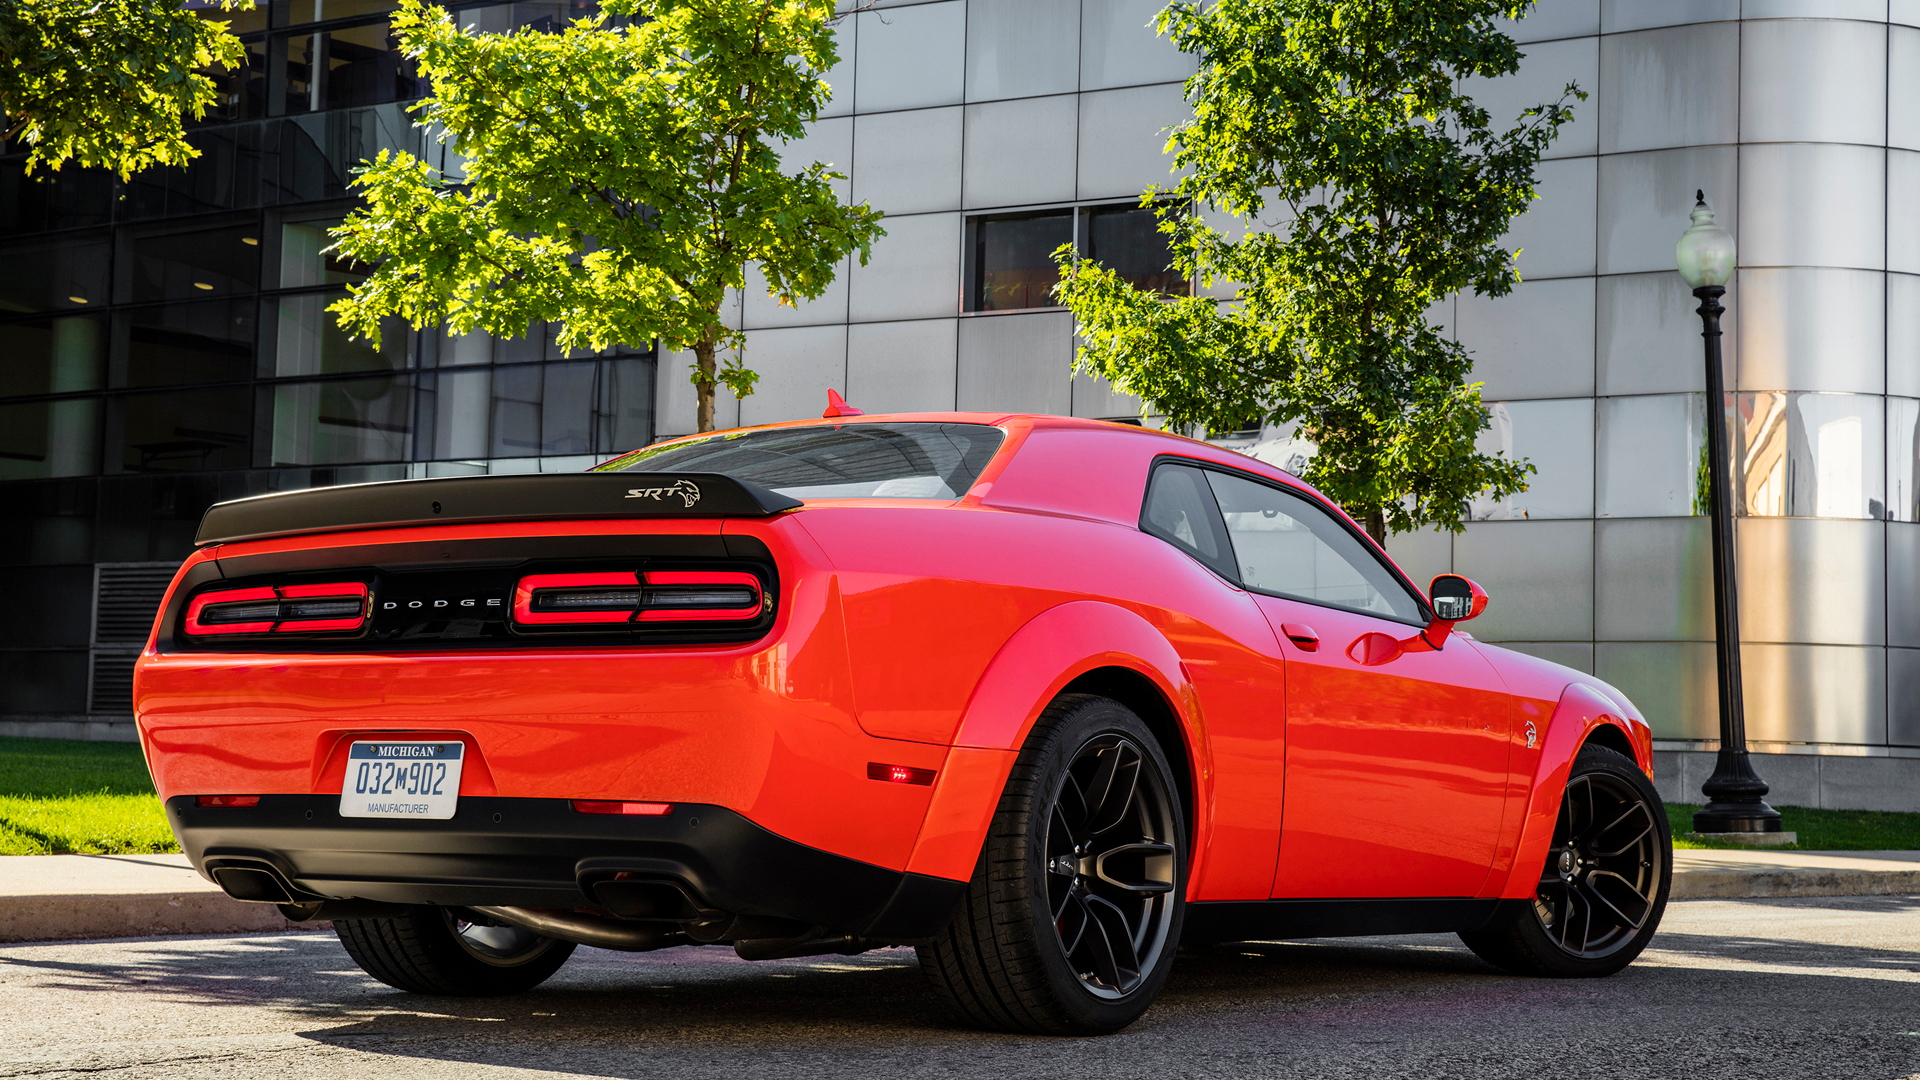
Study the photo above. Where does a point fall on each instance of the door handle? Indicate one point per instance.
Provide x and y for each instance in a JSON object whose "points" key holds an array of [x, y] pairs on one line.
{"points": [[1302, 635]]}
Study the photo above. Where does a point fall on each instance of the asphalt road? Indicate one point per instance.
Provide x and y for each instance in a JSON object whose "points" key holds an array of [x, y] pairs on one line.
{"points": [[1744, 990]]}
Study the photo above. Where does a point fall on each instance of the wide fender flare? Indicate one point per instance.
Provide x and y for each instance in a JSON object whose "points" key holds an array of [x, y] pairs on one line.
{"points": [[1581, 709], [1036, 663]]}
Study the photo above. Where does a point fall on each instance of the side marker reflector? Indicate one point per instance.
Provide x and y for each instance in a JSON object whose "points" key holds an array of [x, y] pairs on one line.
{"points": [[226, 800], [899, 774], [609, 806]]}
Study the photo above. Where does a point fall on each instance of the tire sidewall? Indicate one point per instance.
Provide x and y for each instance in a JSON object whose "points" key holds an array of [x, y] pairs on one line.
{"points": [[1592, 760], [1082, 723]]}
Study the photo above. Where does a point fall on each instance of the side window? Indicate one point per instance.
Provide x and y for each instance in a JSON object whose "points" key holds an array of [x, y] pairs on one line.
{"points": [[1180, 510], [1284, 544]]}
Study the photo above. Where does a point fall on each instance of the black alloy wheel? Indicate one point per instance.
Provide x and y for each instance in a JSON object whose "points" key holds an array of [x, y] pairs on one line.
{"points": [[1109, 865], [1603, 871], [1604, 884], [1072, 919], [439, 950]]}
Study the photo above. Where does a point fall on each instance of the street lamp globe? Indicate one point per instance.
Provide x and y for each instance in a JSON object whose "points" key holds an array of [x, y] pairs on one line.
{"points": [[1705, 251]]}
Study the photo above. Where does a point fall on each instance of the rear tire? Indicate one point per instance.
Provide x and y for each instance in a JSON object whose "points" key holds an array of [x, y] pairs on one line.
{"points": [[1604, 885], [1072, 919], [434, 950]]}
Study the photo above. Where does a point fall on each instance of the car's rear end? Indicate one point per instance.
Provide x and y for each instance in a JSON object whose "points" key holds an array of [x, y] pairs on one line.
{"points": [[615, 701]]}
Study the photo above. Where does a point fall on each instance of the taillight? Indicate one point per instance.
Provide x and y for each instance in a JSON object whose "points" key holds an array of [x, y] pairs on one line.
{"points": [[656, 596], [628, 809], [226, 800], [279, 609]]}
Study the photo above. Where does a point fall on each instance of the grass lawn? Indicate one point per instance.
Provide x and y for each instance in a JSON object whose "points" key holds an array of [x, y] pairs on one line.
{"points": [[1820, 830], [59, 796]]}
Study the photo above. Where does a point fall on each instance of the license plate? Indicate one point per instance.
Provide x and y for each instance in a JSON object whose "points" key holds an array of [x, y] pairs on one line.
{"points": [[402, 780]]}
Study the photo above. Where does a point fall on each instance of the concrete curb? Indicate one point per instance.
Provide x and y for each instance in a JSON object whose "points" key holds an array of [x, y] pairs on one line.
{"points": [[1757, 884], [68, 897], [64, 897], [57, 918], [1743, 874]]}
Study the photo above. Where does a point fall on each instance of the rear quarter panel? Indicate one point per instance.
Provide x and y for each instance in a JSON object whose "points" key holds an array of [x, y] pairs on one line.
{"points": [[934, 595]]}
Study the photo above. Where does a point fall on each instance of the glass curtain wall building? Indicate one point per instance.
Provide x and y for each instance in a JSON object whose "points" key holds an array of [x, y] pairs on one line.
{"points": [[164, 344]]}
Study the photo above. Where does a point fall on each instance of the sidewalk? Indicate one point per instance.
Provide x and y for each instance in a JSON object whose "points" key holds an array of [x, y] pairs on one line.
{"points": [[51, 897], [48, 897]]}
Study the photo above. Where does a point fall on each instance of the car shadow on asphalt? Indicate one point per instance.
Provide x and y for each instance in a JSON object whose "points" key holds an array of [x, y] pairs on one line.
{"points": [[697, 1012]]}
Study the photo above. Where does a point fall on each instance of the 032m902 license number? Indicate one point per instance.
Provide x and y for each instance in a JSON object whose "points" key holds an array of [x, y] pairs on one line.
{"points": [[402, 780]]}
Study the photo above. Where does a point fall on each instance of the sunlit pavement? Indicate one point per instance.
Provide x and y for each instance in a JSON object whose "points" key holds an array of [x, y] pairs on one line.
{"points": [[1802, 988]]}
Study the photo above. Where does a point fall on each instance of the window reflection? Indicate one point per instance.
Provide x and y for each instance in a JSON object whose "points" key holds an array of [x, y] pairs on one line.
{"points": [[1284, 544], [359, 65], [542, 410], [1557, 437], [241, 90], [305, 260], [341, 422], [241, 20], [189, 266], [1010, 259], [67, 273], [296, 12], [1808, 455], [1129, 242], [1652, 454], [192, 431], [308, 340], [184, 343], [50, 438], [1903, 459], [51, 356], [1013, 263], [546, 17]]}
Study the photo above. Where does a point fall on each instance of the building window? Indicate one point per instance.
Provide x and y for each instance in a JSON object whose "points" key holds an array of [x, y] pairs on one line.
{"points": [[1009, 258], [1128, 241]]}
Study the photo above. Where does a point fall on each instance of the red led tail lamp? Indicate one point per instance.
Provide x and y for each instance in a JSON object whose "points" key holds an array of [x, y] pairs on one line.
{"points": [[628, 809], [279, 609], [899, 774], [656, 596]]}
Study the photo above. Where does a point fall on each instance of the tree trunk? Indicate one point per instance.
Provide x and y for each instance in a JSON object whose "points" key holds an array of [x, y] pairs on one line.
{"points": [[703, 386], [1377, 526]]}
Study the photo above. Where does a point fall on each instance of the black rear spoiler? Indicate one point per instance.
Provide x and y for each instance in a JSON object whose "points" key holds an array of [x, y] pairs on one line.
{"points": [[473, 499]]}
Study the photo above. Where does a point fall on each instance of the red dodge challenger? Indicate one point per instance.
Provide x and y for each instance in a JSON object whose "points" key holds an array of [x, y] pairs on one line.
{"points": [[1044, 698]]}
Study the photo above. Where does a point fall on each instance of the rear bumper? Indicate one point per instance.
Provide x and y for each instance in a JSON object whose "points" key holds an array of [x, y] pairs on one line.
{"points": [[540, 853]]}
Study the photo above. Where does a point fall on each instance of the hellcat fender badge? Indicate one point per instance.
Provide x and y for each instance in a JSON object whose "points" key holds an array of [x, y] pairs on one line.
{"points": [[1533, 734], [686, 489]]}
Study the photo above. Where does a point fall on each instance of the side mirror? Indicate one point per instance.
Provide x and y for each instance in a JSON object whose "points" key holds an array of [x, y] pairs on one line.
{"points": [[1456, 599]]}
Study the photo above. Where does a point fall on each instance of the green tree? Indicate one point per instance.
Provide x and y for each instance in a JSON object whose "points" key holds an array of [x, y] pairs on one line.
{"points": [[1365, 186], [619, 180], [107, 82]]}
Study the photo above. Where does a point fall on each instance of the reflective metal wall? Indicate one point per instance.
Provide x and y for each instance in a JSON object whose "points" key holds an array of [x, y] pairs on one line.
{"points": [[946, 112], [1798, 118], [1800, 122]]}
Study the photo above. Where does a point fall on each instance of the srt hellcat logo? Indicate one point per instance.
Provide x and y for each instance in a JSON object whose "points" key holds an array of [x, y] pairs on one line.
{"points": [[686, 489]]}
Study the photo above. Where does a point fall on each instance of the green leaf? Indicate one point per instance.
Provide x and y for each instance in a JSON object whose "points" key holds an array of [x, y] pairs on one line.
{"points": [[619, 180], [1361, 187]]}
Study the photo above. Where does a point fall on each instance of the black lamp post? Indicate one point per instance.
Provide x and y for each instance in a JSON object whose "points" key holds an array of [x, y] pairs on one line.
{"points": [[1736, 796]]}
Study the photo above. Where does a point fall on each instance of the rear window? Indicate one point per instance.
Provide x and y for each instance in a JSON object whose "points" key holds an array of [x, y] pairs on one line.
{"points": [[876, 461]]}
